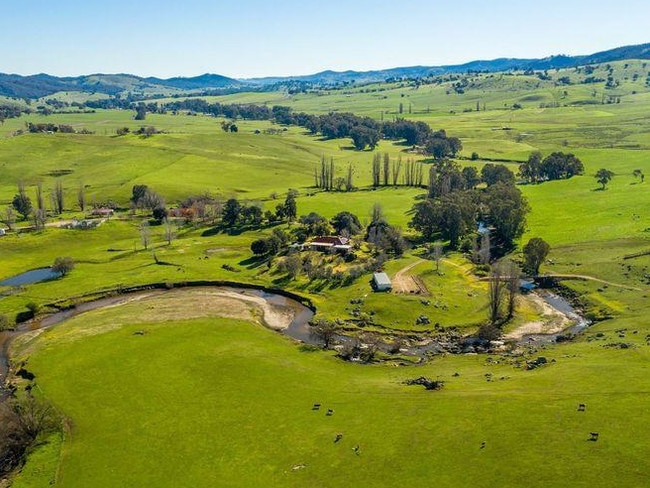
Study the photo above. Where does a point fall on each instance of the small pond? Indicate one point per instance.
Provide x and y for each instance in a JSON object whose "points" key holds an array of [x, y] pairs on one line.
{"points": [[29, 277]]}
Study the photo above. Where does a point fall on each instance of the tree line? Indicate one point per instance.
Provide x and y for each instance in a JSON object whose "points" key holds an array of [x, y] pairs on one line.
{"points": [[365, 132]]}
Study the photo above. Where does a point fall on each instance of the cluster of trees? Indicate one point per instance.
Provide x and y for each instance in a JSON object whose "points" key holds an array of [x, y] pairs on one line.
{"points": [[229, 126], [555, 166], [272, 245], [445, 176], [143, 131], [9, 111], [143, 197], [325, 179], [63, 128], [387, 171], [235, 213], [454, 207], [364, 131], [22, 204], [384, 236], [503, 288]]}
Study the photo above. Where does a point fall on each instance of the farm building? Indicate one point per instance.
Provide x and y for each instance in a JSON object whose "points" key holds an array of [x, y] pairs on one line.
{"points": [[330, 244], [526, 286], [2, 231], [381, 282], [102, 212]]}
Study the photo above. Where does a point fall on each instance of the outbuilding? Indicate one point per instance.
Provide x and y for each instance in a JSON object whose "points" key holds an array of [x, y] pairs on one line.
{"points": [[526, 286], [381, 282]]}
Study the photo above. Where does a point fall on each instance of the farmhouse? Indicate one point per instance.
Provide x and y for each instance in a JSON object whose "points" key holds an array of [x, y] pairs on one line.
{"points": [[381, 282], [330, 244], [102, 212]]}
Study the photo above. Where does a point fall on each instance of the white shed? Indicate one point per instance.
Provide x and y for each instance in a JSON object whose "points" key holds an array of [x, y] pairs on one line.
{"points": [[381, 282]]}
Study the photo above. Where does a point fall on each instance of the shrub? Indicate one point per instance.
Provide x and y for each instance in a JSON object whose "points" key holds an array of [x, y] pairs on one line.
{"points": [[63, 265], [33, 308], [4, 322], [21, 422], [489, 332]]}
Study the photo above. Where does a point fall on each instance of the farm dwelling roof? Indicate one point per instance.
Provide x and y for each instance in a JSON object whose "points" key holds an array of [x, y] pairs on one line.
{"points": [[329, 241]]}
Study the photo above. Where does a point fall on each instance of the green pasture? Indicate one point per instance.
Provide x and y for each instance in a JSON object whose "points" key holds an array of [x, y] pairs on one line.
{"points": [[194, 156], [218, 402]]}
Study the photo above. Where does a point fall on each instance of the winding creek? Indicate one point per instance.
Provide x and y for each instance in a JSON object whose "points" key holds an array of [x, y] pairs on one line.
{"points": [[279, 312], [282, 313]]}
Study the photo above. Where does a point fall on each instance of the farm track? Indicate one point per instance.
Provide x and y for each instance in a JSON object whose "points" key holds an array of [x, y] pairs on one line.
{"points": [[406, 283], [591, 278]]}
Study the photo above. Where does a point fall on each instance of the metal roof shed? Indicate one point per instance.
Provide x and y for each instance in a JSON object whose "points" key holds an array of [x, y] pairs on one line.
{"points": [[381, 282]]}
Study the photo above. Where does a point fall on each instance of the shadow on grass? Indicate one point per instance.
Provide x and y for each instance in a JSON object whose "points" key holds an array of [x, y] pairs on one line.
{"points": [[253, 262], [166, 263], [282, 281], [160, 263]]}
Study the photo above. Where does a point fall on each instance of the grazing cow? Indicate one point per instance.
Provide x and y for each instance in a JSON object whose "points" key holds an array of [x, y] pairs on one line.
{"points": [[356, 449], [316, 406], [483, 445], [338, 438], [594, 436], [582, 407], [330, 412]]}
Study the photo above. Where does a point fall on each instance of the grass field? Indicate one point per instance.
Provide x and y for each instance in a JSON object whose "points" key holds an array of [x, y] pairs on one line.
{"points": [[214, 401]]}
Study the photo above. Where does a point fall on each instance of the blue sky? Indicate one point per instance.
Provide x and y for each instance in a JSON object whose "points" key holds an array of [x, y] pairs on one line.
{"points": [[247, 38]]}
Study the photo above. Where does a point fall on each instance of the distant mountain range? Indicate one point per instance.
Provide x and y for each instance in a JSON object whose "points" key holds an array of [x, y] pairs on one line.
{"points": [[640, 51], [36, 86]]}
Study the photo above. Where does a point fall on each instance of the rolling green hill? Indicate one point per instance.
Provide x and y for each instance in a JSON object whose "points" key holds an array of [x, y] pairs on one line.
{"points": [[211, 400]]}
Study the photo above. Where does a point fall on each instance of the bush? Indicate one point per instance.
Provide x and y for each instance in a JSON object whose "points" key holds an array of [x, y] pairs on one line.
{"points": [[259, 247], [33, 308], [21, 422], [63, 265], [159, 213], [4, 322], [489, 332]]}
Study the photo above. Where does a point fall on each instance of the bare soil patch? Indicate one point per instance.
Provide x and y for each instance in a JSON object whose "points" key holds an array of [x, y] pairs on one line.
{"points": [[406, 283], [551, 321]]}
